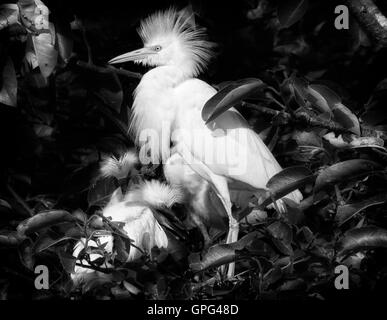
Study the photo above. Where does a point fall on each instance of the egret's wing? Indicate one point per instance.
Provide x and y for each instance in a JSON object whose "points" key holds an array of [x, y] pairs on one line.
{"points": [[227, 145]]}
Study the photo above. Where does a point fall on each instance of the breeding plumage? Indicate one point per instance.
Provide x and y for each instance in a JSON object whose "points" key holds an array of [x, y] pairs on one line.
{"points": [[167, 107]]}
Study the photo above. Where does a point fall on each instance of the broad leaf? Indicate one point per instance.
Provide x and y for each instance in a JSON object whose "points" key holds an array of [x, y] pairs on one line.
{"points": [[343, 171], [362, 238], [346, 212], [282, 236], [342, 114], [46, 241], [291, 11], [43, 220], [26, 254], [229, 96], [221, 254], [9, 238], [286, 181], [318, 101], [122, 248], [67, 260]]}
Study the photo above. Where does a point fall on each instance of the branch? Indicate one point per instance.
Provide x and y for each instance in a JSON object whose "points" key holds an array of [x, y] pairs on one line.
{"points": [[284, 118], [109, 69], [371, 19]]}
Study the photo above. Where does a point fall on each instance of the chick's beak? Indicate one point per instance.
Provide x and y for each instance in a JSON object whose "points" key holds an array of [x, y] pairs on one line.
{"points": [[132, 55]]}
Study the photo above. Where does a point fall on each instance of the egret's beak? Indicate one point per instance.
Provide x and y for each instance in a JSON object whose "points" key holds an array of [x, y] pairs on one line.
{"points": [[133, 55]]}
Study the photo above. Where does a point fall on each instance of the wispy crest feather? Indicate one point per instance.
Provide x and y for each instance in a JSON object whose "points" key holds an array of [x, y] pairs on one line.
{"points": [[156, 194], [177, 25], [119, 167]]}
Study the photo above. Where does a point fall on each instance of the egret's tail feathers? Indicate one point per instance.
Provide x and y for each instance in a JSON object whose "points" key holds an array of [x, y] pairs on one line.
{"points": [[157, 194]]}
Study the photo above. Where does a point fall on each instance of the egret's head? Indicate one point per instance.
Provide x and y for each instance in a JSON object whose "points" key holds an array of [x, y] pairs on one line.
{"points": [[171, 39]]}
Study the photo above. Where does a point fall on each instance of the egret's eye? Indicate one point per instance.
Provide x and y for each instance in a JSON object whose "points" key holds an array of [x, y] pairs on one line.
{"points": [[157, 48]]}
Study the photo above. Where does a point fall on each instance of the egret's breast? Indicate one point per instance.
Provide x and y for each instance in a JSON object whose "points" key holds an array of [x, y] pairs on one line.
{"points": [[154, 113]]}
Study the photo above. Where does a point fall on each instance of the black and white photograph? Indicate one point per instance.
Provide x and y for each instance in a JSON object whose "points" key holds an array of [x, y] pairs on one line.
{"points": [[196, 151]]}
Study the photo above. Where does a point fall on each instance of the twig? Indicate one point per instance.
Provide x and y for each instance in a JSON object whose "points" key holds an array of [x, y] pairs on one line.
{"points": [[371, 19], [95, 268], [109, 69], [304, 118]]}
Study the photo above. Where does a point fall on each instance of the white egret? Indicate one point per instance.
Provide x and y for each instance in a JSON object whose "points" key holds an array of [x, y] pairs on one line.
{"points": [[168, 103]]}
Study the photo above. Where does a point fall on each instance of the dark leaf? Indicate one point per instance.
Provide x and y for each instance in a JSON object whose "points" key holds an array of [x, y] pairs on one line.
{"points": [[222, 253], [10, 238], [305, 237], [46, 241], [26, 254], [229, 96], [286, 181], [362, 238], [342, 114], [282, 236], [318, 101], [259, 247], [346, 212], [272, 276], [122, 247], [343, 171], [43, 220], [291, 11]]}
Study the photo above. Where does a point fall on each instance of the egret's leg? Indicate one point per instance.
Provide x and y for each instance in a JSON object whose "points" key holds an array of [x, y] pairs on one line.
{"points": [[232, 236], [221, 188], [220, 185]]}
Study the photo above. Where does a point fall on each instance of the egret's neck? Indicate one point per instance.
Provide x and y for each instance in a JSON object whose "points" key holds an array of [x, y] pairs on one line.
{"points": [[153, 111], [163, 77]]}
